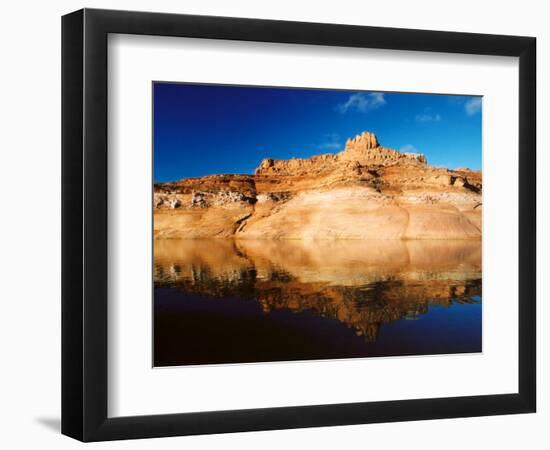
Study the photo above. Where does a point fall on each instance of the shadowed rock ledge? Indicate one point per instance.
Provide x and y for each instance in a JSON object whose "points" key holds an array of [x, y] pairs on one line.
{"points": [[366, 191]]}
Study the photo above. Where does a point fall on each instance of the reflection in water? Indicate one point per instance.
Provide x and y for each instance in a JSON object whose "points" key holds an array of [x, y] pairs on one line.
{"points": [[241, 301]]}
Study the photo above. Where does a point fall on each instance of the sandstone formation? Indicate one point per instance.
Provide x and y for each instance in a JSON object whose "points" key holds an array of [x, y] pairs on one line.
{"points": [[366, 191]]}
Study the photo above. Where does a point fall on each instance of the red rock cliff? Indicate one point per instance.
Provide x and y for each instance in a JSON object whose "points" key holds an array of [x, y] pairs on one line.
{"points": [[366, 191]]}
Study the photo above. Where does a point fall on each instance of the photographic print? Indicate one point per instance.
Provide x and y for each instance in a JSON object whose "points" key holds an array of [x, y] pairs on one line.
{"points": [[308, 224]]}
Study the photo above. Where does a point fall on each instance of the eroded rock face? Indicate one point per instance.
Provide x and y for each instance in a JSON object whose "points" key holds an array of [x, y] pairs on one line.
{"points": [[366, 150], [365, 191], [363, 150]]}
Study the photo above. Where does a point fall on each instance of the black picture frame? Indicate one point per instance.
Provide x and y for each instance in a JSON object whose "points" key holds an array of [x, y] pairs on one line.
{"points": [[84, 224]]}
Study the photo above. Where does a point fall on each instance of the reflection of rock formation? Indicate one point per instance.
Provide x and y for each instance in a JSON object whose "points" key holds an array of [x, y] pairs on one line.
{"points": [[366, 191], [360, 283]]}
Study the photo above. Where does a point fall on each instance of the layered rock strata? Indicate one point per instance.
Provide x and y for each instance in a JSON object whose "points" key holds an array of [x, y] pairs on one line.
{"points": [[366, 191]]}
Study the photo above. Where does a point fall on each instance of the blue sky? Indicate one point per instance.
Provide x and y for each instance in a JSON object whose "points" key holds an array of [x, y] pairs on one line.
{"points": [[210, 129]]}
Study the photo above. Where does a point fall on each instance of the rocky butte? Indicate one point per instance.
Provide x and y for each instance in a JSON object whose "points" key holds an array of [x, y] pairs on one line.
{"points": [[366, 191]]}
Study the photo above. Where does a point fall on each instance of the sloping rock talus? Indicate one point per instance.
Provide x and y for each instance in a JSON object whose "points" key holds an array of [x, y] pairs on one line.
{"points": [[366, 191]]}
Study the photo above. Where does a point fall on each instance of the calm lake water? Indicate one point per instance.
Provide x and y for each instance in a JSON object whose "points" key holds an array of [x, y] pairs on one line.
{"points": [[225, 301]]}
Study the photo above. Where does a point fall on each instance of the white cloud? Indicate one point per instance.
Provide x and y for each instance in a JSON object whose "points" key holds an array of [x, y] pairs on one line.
{"points": [[408, 148], [473, 106], [331, 141], [362, 102], [427, 117], [330, 146]]}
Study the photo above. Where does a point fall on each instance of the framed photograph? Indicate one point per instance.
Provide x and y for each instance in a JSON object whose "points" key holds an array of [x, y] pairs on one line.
{"points": [[273, 224]]}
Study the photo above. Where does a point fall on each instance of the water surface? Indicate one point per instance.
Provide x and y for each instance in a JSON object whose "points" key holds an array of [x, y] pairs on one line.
{"points": [[233, 301]]}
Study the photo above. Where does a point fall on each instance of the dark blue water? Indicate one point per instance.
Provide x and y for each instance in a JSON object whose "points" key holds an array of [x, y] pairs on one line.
{"points": [[191, 329], [215, 304]]}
